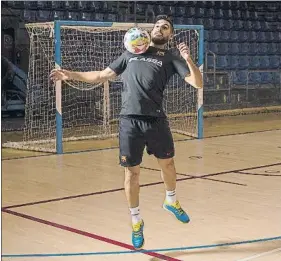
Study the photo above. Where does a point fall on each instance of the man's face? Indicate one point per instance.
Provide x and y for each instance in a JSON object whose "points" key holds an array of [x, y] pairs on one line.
{"points": [[161, 33]]}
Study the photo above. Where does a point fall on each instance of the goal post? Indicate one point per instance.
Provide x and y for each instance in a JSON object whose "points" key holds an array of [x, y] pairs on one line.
{"points": [[72, 111]]}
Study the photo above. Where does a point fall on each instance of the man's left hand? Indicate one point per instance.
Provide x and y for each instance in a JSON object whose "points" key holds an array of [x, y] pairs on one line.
{"points": [[184, 51]]}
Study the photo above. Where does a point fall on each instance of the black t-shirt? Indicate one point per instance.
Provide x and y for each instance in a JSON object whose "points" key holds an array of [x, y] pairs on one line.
{"points": [[144, 79]]}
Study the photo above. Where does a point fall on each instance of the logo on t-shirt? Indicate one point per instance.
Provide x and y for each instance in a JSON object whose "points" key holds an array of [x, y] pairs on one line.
{"points": [[160, 53], [149, 60]]}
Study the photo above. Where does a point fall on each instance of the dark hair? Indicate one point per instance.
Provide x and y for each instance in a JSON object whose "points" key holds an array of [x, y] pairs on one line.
{"points": [[166, 18]]}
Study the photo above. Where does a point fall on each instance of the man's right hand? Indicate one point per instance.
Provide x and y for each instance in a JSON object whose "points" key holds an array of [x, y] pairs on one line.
{"points": [[59, 75]]}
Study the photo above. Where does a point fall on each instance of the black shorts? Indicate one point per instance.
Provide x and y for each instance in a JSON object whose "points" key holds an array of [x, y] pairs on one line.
{"points": [[137, 132]]}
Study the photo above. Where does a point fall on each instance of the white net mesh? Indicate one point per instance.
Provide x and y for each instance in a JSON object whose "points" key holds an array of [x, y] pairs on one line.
{"points": [[91, 111]]}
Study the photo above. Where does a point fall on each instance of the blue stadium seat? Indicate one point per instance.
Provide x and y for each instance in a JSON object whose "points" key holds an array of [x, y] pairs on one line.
{"points": [[30, 4], [264, 62], [42, 5], [83, 5], [100, 17], [263, 48], [206, 35], [218, 5], [208, 23], [29, 16], [75, 16], [274, 61], [59, 15], [272, 48], [244, 48], [219, 13], [140, 8], [210, 62], [71, 5], [250, 15], [243, 36], [221, 62], [85, 16], [276, 78], [228, 24], [218, 24], [170, 10], [189, 20], [240, 77], [254, 78], [277, 37], [253, 48], [252, 36], [224, 36], [244, 6], [206, 46], [214, 35], [44, 16], [200, 21], [190, 12], [209, 4], [236, 14], [232, 62], [234, 5], [199, 12], [264, 26], [178, 20], [95, 6], [256, 25], [247, 25], [226, 5], [238, 25], [243, 62], [213, 46], [261, 37], [58, 5], [110, 17], [270, 17], [279, 47], [254, 62], [269, 37], [234, 48], [223, 48], [227, 14], [234, 36], [266, 78], [180, 10], [112, 7], [210, 13], [245, 14]]}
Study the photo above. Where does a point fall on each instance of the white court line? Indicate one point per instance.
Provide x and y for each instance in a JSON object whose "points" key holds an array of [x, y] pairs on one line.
{"points": [[260, 255]]}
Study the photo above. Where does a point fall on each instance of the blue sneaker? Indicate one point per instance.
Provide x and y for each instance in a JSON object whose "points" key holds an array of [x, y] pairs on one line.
{"points": [[176, 209], [137, 235]]}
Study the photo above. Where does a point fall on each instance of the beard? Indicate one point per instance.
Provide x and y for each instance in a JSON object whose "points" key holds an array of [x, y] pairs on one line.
{"points": [[160, 40]]}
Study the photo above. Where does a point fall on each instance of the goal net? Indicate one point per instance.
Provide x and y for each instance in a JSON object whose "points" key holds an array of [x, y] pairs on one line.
{"points": [[91, 111]]}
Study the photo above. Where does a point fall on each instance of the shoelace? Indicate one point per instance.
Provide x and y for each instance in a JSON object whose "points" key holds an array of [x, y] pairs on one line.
{"points": [[137, 233], [178, 208]]}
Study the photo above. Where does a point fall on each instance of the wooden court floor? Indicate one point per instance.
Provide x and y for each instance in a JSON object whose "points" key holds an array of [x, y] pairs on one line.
{"points": [[73, 207]]}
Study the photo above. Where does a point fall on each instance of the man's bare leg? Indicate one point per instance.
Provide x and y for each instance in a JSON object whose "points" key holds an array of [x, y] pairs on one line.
{"points": [[132, 190], [169, 176]]}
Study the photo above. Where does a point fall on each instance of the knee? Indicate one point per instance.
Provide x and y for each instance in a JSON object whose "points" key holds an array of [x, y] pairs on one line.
{"points": [[132, 175], [167, 163]]}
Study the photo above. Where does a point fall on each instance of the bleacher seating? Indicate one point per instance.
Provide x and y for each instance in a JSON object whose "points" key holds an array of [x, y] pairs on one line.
{"points": [[243, 35]]}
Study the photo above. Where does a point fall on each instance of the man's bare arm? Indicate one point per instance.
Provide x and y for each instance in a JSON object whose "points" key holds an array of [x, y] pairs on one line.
{"points": [[89, 77], [195, 77]]}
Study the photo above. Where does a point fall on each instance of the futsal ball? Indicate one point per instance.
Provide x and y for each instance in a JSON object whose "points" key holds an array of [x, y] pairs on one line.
{"points": [[136, 40]]}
